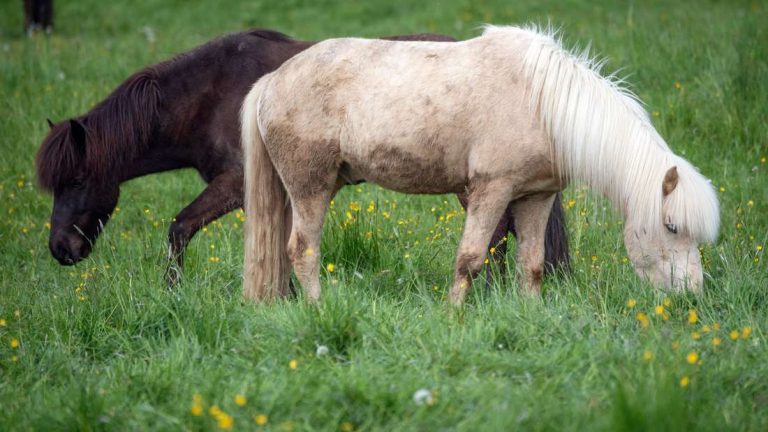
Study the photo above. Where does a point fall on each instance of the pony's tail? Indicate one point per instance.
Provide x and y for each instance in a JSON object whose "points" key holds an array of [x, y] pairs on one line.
{"points": [[266, 264], [556, 256]]}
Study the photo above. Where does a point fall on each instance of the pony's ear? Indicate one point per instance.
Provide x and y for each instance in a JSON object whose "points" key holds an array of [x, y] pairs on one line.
{"points": [[670, 181], [77, 130], [50, 123]]}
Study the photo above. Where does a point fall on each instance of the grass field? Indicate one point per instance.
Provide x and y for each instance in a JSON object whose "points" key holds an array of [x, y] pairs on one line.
{"points": [[105, 345]]}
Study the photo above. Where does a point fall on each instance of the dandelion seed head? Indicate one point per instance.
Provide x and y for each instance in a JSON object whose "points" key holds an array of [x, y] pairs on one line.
{"points": [[423, 397]]}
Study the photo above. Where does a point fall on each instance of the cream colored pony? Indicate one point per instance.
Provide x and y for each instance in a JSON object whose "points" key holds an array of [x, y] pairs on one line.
{"points": [[507, 116]]}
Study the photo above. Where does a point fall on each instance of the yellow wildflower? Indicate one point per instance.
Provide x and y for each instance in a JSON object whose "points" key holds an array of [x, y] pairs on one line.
{"points": [[2, 322], [240, 400], [225, 421], [330, 267], [684, 381], [705, 329], [715, 326], [492, 250], [346, 427], [716, 341], [354, 206], [196, 409], [734, 334], [293, 364], [647, 356], [667, 302], [631, 303], [692, 357], [14, 343], [659, 310], [675, 345], [696, 335], [693, 317], [260, 419], [745, 332], [643, 318]]}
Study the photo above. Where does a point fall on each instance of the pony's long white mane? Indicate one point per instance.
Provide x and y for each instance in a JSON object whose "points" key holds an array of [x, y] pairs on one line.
{"points": [[601, 135]]}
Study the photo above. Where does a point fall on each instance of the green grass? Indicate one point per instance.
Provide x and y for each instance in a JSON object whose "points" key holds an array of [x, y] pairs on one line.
{"points": [[105, 345]]}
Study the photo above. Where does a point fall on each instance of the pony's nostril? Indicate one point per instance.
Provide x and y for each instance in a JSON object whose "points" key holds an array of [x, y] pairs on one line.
{"points": [[63, 256]]}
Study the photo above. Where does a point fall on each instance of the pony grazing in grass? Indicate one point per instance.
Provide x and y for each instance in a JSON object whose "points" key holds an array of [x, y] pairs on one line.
{"points": [[181, 113], [508, 116]]}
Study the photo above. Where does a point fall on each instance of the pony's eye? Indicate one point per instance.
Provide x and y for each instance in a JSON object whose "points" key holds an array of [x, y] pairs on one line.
{"points": [[78, 184], [671, 228]]}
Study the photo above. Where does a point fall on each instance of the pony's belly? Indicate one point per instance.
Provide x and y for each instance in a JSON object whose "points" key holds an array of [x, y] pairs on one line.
{"points": [[405, 172]]}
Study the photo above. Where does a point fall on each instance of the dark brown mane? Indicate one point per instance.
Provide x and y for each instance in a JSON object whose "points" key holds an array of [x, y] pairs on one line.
{"points": [[270, 35], [117, 129]]}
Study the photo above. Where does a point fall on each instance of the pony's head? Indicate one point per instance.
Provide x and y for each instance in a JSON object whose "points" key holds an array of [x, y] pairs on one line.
{"points": [[666, 250], [82, 162], [601, 135], [83, 198]]}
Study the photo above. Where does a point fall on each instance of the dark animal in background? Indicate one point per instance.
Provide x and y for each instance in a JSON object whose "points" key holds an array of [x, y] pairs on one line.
{"points": [[38, 15], [182, 113]]}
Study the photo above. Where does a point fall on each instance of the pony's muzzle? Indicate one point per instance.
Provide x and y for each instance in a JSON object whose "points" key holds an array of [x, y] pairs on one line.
{"points": [[69, 249]]}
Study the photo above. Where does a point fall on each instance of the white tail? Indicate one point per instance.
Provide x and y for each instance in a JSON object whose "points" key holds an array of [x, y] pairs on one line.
{"points": [[266, 265]]}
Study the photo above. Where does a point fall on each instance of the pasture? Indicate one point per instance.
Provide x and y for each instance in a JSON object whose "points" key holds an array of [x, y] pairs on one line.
{"points": [[106, 345]]}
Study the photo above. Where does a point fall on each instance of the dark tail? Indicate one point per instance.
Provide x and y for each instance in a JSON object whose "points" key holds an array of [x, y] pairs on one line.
{"points": [[556, 257]]}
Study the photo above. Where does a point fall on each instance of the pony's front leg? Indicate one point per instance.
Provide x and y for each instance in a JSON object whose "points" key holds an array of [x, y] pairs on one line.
{"points": [[486, 205], [222, 195], [304, 242], [531, 215]]}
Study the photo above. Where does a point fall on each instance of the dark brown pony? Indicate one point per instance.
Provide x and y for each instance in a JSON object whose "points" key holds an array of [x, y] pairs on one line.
{"points": [[182, 113]]}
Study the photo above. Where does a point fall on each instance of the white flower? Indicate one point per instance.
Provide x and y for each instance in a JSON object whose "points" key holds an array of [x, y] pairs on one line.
{"points": [[321, 350], [149, 33], [423, 396]]}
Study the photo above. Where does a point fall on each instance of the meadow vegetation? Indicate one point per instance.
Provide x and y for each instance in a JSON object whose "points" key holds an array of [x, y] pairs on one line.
{"points": [[105, 345]]}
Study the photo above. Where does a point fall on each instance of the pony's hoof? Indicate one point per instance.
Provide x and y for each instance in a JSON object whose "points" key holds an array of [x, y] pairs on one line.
{"points": [[172, 277]]}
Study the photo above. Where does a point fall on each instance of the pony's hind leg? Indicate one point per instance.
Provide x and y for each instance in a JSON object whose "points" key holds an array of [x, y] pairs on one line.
{"points": [[304, 242], [531, 215], [487, 202]]}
